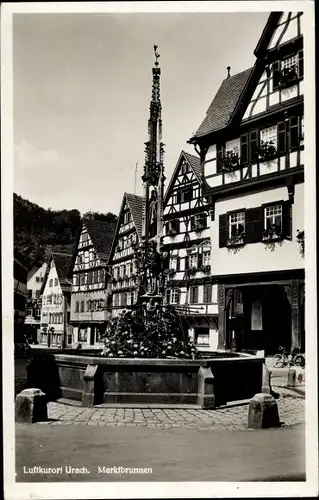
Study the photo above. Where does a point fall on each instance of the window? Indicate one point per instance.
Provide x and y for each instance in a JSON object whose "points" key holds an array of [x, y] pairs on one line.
{"points": [[168, 295], [55, 281], [49, 299], [236, 224], [288, 70], [193, 294], [206, 258], [37, 294], [82, 306], [184, 168], [269, 135], [193, 260], [207, 297], [51, 282], [273, 219], [37, 279], [132, 297], [29, 311], [172, 227], [77, 304], [116, 272], [37, 312], [202, 336], [186, 195], [198, 222], [82, 279], [232, 146], [115, 299], [175, 263], [175, 296], [29, 294], [82, 336], [127, 217], [128, 269]]}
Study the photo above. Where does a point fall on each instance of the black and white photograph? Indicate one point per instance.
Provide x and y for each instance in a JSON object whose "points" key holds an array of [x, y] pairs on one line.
{"points": [[158, 199]]}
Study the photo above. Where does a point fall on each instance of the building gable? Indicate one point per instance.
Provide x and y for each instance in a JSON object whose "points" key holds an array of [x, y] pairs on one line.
{"points": [[129, 226], [278, 74]]}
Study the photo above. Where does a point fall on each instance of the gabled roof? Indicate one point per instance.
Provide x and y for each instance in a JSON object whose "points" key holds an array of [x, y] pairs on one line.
{"points": [[135, 204], [63, 265], [194, 164], [101, 234], [223, 105], [62, 262]]}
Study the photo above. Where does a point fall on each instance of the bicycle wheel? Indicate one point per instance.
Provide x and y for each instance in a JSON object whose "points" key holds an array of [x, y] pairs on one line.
{"points": [[279, 360], [300, 360]]}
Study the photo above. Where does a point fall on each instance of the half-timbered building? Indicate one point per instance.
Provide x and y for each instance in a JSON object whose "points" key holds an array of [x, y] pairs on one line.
{"points": [[56, 297], [252, 168], [90, 299], [122, 258], [187, 247]]}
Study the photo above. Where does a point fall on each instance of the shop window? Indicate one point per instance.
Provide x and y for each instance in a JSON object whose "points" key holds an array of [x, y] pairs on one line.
{"points": [[201, 336]]}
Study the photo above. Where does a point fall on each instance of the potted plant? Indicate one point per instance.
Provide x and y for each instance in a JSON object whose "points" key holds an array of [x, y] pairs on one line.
{"points": [[267, 151], [230, 161], [301, 240], [288, 76], [205, 269]]}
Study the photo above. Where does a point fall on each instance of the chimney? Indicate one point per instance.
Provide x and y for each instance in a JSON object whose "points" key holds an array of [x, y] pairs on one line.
{"points": [[228, 71]]}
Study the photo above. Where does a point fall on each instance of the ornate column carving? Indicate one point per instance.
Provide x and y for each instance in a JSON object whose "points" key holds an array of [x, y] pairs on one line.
{"points": [[221, 316], [294, 296]]}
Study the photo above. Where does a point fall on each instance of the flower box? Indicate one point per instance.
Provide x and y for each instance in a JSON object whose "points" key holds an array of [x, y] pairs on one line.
{"points": [[271, 235], [171, 232], [205, 269], [236, 240], [192, 270]]}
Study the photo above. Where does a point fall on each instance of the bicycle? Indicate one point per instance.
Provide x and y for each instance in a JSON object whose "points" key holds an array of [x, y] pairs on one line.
{"points": [[286, 358]]}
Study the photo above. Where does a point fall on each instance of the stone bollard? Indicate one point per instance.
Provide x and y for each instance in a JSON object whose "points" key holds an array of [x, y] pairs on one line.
{"points": [[89, 388], [205, 395], [291, 377], [266, 387], [263, 412], [31, 406]]}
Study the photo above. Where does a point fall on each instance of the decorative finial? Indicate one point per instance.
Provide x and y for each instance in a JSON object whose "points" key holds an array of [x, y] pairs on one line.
{"points": [[228, 71], [157, 56]]}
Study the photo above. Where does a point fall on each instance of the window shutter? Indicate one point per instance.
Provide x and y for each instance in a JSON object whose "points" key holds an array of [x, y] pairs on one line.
{"points": [[186, 262], [178, 263], [254, 145], [300, 64], [195, 294], [178, 196], [199, 260], [244, 148], [177, 225], [275, 75], [294, 132], [281, 137], [223, 230], [287, 220], [219, 157], [192, 223], [253, 224]]}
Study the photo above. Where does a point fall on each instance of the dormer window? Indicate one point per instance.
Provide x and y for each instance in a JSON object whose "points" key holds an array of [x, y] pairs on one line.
{"points": [[184, 168], [127, 217]]}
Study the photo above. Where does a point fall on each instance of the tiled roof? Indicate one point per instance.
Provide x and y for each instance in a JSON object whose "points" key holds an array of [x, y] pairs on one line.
{"points": [[224, 103], [135, 204], [63, 263], [194, 162], [101, 234]]}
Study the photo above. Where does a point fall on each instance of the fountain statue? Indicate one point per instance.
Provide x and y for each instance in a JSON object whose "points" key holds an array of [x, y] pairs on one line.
{"points": [[150, 328]]}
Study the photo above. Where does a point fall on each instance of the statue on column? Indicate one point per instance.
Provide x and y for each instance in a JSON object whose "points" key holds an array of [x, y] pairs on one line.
{"points": [[153, 214]]}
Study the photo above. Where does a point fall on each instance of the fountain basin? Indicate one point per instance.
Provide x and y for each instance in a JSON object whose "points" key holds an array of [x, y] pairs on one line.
{"points": [[95, 380]]}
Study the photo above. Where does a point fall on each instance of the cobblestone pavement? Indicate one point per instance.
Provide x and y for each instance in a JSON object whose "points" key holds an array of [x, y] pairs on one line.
{"points": [[290, 404]]}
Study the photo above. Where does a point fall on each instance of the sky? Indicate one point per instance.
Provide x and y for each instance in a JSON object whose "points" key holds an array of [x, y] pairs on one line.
{"points": [[82, 88]]}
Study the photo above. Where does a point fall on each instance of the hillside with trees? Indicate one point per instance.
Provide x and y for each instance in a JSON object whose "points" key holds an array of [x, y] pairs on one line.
{"points": [[40, 231]]}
